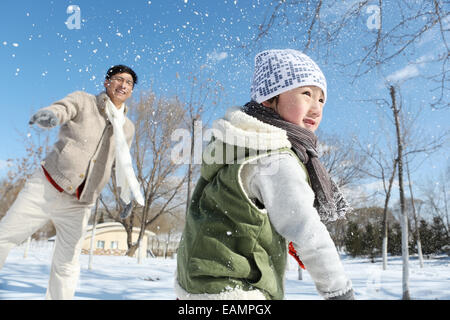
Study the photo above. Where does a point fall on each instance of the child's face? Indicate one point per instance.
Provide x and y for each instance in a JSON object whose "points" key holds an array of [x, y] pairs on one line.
{"points": [[301, 106]]}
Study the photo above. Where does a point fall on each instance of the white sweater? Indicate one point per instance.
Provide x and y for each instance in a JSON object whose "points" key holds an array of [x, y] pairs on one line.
{"points": [[280, 183]]}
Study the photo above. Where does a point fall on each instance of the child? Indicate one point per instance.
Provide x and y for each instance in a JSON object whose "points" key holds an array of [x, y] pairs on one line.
{"points": [[265, 188]]}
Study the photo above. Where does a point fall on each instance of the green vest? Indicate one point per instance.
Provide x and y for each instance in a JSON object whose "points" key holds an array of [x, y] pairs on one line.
{"points": [[228, 242]]}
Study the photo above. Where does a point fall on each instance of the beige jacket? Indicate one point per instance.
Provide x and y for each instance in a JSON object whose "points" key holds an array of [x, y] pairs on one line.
{"points": [[85, 149]]}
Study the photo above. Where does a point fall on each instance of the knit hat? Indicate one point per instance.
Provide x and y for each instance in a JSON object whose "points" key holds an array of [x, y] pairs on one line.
{"points": [[278, 71]]}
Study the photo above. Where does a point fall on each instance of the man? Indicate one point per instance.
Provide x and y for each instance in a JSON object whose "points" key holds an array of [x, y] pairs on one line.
{"points": [[94, 134]]}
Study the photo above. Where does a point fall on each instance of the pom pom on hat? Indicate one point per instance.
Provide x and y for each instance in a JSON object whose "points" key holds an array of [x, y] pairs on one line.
{"points": [[278, 71]]}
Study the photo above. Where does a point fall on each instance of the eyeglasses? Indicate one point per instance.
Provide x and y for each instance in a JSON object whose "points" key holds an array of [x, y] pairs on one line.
{"points": [[122, 80]]}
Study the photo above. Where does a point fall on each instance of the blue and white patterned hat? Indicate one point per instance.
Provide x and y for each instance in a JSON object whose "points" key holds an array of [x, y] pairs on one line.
{"points": [[278, 71]]}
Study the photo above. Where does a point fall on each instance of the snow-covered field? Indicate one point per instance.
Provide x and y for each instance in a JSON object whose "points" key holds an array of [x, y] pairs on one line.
{"points": [[117, 278]]}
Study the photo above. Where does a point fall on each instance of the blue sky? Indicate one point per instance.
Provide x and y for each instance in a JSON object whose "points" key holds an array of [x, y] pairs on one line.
{"points": [[43, 60]]}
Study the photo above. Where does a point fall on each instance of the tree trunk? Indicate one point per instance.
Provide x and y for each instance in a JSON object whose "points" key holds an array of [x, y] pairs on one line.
{"points": [[167, 245], [140, 255], [444, 192], [384, 249], [404, 219], [132, 250], [385, 212], [416, 225]]}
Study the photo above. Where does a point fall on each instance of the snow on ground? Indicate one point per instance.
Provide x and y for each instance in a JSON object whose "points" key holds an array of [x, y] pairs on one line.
{"points": [[122, 278]]}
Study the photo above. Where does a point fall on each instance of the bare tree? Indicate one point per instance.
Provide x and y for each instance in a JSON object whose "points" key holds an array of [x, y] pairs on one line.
{"points": [[22, 168], [436, 197], [382, 156], [321, 26], [155, 119], [414, 212], [36, 143], [341, 158], [405, 249], [204, 93], [385, 172]]}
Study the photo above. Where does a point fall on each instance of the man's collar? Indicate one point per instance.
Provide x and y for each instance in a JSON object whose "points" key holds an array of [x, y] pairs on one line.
{"points": [[101, 102]]}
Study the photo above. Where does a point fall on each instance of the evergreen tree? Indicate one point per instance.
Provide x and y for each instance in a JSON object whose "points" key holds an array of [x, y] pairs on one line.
{"points": [[426, 237], [353, 240], [395, 240], [371, 240], [439, 235]]}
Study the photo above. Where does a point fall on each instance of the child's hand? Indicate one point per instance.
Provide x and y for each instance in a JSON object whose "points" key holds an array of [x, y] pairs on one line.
{"points": [[346, 296]]}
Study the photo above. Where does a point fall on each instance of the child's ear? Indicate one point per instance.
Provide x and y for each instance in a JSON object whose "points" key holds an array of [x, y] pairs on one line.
{"points": [[266, 104]]}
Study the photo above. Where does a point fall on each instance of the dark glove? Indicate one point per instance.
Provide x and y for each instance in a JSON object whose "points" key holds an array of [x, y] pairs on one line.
{"points": [[127, 209], [346, 296], [44, 118]]}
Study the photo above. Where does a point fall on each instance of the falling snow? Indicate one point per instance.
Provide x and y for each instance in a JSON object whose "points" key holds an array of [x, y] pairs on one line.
{"points": [[168, 42]]}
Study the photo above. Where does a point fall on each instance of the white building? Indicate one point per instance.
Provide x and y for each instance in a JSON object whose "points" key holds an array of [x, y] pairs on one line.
{"points": [[111, 239]]}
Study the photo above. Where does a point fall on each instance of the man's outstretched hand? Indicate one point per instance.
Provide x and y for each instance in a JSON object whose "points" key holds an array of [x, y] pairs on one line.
{"points": [[44, 118]]}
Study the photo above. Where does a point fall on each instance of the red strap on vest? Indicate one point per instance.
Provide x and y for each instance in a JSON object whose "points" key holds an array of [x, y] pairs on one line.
{"points": [[293, 253]]}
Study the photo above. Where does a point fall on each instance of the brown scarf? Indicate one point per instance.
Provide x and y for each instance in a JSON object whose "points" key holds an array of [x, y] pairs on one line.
{"points": [[329, 201]]}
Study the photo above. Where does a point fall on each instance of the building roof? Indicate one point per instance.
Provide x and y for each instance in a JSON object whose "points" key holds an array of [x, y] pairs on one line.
{"points": [[113, 226]]}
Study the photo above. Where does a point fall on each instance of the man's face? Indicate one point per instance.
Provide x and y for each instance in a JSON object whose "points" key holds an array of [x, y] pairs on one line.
{"points": [[302, 106], [119, 87]]}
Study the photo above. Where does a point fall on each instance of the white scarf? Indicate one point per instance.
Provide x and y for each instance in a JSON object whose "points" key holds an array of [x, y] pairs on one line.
{"points": [[125, 176]]}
